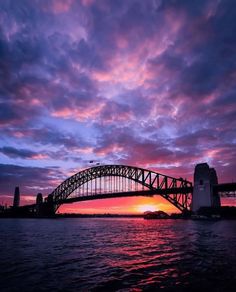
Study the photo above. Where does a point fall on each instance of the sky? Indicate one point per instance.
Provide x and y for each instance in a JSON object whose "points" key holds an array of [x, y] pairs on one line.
{"points": [[143, 83]]}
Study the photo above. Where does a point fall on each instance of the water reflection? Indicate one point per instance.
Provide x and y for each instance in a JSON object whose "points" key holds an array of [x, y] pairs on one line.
{"points": [[117, 255]]}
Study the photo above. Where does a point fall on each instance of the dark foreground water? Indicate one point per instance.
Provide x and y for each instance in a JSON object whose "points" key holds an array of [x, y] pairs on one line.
{"points": [[117, 255]]}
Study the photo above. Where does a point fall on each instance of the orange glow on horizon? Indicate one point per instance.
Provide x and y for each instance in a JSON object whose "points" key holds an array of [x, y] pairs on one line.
{"points": [[132, 205], [145, 208]]}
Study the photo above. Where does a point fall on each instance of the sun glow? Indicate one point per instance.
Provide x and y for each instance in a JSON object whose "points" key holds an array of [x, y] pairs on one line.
{"points": [[147, 207]]}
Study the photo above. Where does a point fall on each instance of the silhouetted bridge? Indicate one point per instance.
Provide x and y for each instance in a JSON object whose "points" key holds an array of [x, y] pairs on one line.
{"points": [[114, 181]]}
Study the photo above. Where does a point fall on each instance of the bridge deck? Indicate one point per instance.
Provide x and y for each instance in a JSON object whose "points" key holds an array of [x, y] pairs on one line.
{"points": [[128, 194], [226, 187]]}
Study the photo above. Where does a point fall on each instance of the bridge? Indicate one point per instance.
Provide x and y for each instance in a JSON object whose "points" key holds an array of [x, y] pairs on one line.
{"points": [[114, 181]]}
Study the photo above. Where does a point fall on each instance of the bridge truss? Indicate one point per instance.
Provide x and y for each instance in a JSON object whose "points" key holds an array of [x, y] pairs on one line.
{"points": [[112, 181]]}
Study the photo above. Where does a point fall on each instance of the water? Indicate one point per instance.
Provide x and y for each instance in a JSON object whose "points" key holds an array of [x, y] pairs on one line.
{"points": [[85, 254]]}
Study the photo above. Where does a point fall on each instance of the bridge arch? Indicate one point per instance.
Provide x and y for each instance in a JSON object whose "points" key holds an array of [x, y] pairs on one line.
{"points": [[170, 188]]}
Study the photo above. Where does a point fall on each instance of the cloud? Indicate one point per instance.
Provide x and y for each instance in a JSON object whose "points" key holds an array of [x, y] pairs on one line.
{"points": [[22, 153], [149, 83], [30, 179]]}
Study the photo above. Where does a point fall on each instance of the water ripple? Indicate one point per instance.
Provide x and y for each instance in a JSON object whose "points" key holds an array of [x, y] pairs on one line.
{"points": [[117, 255]]}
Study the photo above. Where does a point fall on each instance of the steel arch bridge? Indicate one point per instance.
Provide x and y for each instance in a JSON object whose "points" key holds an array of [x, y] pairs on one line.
{"points": [[112, 181]]}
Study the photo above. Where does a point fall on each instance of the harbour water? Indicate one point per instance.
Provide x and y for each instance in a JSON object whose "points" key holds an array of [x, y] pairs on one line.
{"points": [[117, 254]]}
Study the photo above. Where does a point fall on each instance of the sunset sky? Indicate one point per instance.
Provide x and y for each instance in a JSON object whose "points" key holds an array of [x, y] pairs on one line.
{"points": [[144, 83]]}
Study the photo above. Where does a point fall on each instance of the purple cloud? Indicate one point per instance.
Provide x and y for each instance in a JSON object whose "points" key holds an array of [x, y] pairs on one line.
{"points": [[149, 83]]}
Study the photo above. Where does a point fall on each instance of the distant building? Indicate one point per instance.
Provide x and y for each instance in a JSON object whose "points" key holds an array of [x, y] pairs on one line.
{"points": [[16, 202], [2, 208], [39, 199]]}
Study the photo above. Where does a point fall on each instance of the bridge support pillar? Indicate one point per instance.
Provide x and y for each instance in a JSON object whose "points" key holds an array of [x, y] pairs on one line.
{"points": [[203, 194], [45, 209]]}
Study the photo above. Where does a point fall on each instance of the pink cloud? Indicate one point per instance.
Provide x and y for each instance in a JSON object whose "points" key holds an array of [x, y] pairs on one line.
{"points": [[87, 2], [79, 113], [129, 68], [19, 134], [85, 150], [39, 156], [61, 6], [174, 22], [113, 148]]}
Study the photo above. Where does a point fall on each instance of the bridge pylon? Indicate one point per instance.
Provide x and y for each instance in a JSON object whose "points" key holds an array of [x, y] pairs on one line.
{"points": [[204, 194], [45, 209]]}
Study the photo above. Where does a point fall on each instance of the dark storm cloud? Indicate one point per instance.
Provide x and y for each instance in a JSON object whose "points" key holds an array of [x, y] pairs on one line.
{"points": [[115, 112], [122, 144], [30, 179], [87, 56], [49, 137], [13, 153], [37, 67], [17, 153], [201, 137], [7, 114], [139, 104]]}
